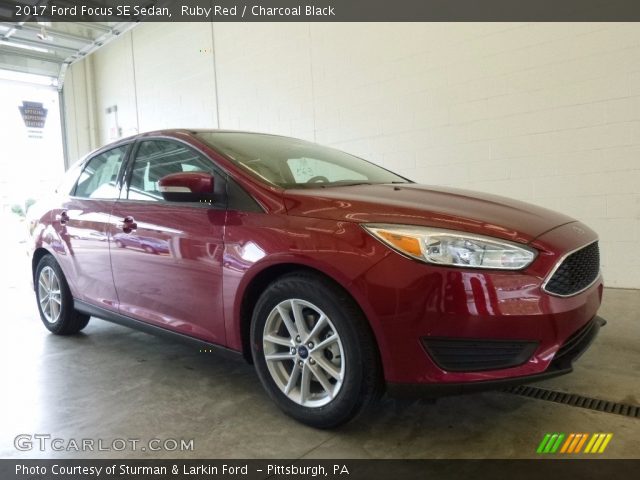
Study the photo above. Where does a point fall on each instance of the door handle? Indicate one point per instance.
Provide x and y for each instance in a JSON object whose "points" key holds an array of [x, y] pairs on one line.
{"points": [[129, 224], [63, 217]]}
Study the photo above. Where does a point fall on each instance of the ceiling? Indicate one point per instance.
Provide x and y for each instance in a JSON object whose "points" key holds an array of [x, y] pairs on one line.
{"points": [[48, 48]]}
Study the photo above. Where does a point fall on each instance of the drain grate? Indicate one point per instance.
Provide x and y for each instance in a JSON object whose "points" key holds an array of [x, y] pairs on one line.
{"points": [[574, 400]]}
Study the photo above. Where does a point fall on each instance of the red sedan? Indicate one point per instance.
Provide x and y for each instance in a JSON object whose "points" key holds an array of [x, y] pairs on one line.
{"points": [[335, 277]]}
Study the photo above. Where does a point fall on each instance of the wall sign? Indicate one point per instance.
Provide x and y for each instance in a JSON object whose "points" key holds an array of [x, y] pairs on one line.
{"points": [[34, 116]]}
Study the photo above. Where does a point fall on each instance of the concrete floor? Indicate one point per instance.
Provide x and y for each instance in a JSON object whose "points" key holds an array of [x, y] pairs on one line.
{"points": [[111, 382]]}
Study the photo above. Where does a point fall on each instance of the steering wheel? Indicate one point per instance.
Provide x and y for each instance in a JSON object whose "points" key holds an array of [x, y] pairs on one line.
{"points": [[317, 179]]}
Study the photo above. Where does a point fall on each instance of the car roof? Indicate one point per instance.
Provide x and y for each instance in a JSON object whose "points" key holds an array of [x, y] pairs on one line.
{"points": [[170, 132]]}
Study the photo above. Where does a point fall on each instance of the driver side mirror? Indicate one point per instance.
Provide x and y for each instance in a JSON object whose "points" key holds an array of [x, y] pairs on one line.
{"points": [[186, 187]]}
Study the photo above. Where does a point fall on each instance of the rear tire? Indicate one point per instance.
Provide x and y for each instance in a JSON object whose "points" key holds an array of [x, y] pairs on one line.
{"points": [[54, 299], [314, 351]]}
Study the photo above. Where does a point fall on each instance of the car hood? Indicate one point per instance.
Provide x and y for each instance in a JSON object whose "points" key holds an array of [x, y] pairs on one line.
{"points": [[414, 204]]}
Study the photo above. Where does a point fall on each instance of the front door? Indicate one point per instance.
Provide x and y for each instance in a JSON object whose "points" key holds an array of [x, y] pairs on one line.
{"points": [[166, 256]]}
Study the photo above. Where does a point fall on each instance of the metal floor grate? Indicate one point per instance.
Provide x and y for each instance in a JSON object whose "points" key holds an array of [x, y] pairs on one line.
{"points": [[574, 400]]}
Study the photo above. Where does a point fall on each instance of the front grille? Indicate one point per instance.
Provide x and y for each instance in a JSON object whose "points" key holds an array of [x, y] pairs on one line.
{"points": [[477, 355], [576, 273]]}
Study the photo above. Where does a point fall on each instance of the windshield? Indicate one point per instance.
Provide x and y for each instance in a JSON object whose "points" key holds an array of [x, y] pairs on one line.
{"points": [[291, 163]]}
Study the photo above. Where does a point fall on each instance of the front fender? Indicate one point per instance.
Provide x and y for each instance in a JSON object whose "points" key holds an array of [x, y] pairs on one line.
{"points": [[256, 245]]}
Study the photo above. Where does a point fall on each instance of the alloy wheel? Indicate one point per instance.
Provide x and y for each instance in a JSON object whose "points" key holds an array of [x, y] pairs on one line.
{"points": [[304, 353], [49, 294]]}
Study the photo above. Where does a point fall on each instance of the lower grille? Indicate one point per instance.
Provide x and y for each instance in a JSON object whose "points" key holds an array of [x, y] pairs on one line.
{"points": [[576, 273], [456, 355]]}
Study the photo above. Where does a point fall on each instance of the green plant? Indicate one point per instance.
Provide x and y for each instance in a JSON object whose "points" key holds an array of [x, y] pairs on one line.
{"points": [[18, 210], [21, 210]]}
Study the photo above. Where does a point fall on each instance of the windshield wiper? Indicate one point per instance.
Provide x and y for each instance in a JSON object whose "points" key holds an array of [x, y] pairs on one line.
{"points": [[339, 184]]}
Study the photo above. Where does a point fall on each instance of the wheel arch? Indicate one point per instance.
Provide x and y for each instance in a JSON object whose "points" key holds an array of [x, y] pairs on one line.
{"points": [[35, 260], [254, 289], [262, 279]]}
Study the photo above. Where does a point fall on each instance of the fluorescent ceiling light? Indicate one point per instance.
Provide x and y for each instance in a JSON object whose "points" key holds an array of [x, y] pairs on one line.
{"points": [[23, 46]]}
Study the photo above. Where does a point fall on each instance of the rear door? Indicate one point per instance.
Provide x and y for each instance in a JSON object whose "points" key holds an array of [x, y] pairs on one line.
{"points": [[166, 256], [82, 223]]}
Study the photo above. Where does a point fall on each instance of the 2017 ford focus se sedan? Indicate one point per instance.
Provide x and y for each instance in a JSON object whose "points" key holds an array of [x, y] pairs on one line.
{"points": [[334, 276]]}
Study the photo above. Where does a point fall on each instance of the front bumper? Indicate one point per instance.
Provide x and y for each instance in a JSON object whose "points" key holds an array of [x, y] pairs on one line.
{"points": [[562, 364], [415, 309]]}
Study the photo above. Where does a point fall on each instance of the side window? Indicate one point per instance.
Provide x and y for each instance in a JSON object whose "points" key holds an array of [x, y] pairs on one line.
{"points": [[304, 169], [68, 181], [98, 179], [156, 158]]}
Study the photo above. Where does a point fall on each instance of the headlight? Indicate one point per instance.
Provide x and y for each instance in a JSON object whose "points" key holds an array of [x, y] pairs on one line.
{"points": [[456, 249]]}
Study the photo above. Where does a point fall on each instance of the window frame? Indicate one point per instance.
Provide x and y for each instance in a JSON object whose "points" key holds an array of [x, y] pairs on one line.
{"points": [[84, 163], [128, 174]]}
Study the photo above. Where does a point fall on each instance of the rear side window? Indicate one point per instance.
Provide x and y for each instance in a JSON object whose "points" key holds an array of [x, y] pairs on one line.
{"points": [[156, 158], [99, 177]]}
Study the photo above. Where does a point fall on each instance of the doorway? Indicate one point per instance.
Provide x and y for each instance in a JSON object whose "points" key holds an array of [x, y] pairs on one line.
{"points": [[32, 159]]}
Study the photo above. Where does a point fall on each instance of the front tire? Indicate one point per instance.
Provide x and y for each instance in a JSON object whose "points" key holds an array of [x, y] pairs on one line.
{"points": [[314, 351], [55, 302]]}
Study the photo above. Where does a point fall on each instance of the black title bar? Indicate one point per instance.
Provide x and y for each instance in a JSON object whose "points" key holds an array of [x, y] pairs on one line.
{"points": [[319, 10], [308, 469]]}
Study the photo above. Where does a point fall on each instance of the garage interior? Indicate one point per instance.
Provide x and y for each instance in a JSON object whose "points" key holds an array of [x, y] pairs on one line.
{"points": [[547, 113]]}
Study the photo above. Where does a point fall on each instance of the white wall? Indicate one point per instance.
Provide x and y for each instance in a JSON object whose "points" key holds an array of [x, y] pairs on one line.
{"points": [[77, 121], [548, 113], [114, 85]]}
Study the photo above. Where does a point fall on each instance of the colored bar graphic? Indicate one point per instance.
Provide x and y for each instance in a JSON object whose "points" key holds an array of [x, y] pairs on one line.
{"points": [[596, 445], [543, 443], [555, 447], [547, 448], [550, 443], [568, 442], [591, 442], [576, 439], [599, 442], [606, 442], [556, 443], [581, 443]]}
